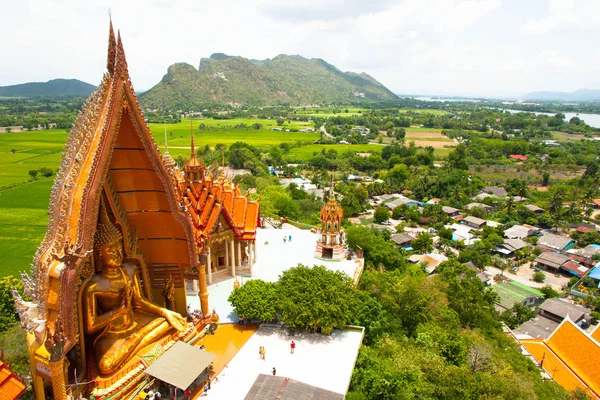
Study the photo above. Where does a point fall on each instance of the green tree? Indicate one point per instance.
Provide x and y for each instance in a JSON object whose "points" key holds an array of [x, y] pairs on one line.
{"points": [[14, 347], [254, 299], [276, 202], [354, 200], [316, 298], [517, 315], [8, 313], [423, 243], [381, 214], [549, 292], [33, 173]]}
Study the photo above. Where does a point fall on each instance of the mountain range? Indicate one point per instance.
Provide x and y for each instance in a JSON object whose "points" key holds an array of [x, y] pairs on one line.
{"points": [[284, 79], [54, 87], [578, 95]]}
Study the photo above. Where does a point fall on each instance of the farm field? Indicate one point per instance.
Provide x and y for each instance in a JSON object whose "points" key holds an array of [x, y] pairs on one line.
{"points": [[225, 132], [23, 221], [328, 112], [504, 172], [562, 136], [305, 152], [423, 111]]}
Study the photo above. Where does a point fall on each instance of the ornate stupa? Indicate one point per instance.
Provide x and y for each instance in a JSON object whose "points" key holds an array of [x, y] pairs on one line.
{"points": [[331, 241]]}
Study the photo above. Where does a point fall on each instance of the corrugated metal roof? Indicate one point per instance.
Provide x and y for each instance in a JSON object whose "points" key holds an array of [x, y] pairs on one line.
{"points": [[180, 365]]}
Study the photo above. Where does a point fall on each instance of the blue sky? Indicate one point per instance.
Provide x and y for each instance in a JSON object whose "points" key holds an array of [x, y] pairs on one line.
{"points": [[459, 47]]}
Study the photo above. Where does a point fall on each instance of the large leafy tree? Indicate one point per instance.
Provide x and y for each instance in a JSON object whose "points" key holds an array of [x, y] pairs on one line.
{"points": [[255, 299], [316, 298], [8, 313]]}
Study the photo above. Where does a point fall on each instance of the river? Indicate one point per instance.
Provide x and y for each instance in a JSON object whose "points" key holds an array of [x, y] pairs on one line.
{"points": [[590, 119]]}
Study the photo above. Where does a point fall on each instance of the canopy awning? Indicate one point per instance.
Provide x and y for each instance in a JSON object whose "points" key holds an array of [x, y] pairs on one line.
{"points": [[180, 365]]}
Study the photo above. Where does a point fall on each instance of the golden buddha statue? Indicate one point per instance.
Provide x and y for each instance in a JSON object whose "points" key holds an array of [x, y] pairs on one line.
{"points": [[118, 319]]}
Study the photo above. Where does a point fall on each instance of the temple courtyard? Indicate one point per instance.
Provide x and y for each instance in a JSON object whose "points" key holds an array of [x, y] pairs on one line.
{"points": [[322, 361]]}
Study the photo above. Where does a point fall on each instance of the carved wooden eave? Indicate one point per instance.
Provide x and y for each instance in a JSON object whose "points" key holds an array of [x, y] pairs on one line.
{"points": [[110, 125]]}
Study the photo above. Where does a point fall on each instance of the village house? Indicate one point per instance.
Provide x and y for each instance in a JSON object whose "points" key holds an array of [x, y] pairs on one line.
{"points": [[463, 232], [510, 246], [474, 222], [451, 211], [495, 191], [521, 231], [402, 201], [403, 240], [514, 292], [550, 314], [431, 261], [533, 208], [556, 262], [586, 255], [517, 157], [483, 277], [559, 309], [552, 242], [484, 207]]}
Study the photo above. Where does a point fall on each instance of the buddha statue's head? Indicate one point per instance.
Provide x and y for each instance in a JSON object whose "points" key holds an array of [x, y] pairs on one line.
{"points": [[108, 243]]}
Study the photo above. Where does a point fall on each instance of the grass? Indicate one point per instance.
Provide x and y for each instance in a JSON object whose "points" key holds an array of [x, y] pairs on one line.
{"points": [[24, 203], [328, 112], [225, 132], [421, 129], [23, 221], [306, 152], [423, 111]]}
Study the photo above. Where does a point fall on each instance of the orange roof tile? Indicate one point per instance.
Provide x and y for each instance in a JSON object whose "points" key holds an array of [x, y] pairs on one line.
{"points": [[570, 356], [239, 210], [206, 210], [228, 201], [11, 389], [212, 219], [251, 217], [596, 333], [4, 374]]}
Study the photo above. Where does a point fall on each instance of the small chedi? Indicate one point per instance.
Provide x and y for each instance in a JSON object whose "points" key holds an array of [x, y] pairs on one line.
{"points": [[330, 239], [127, 232]]}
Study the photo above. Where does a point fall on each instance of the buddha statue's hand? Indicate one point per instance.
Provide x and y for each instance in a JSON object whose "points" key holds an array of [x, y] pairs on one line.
{"points": [[175, 320], [127, 295]]}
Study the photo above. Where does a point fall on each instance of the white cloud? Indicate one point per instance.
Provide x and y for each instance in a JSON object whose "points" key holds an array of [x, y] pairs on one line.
{"points": [[437, 46], [567, 14]]}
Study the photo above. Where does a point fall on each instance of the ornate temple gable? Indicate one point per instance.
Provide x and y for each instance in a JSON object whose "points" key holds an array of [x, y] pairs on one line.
{"points": [[109, 136]]}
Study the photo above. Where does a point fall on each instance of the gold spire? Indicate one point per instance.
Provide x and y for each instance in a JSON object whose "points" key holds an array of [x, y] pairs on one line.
{"points": [[112, 49], [331, 190], [193, 160]]}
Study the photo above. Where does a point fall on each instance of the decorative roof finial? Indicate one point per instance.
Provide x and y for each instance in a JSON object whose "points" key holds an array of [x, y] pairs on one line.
{"points": [[121, 62], [193, 155], [112, 48], [331, 195], [166, 142]]}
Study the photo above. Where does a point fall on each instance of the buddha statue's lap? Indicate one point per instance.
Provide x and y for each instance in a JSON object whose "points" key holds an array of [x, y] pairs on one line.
{"points": [[118, 319]]}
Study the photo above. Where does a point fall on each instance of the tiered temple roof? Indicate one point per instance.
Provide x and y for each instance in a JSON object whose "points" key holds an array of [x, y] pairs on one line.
{"points": [[570, 356], [207, 198], [11, 386]]}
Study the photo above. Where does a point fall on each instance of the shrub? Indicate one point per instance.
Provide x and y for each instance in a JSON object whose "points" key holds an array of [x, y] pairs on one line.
{"points": [[539, 276]]}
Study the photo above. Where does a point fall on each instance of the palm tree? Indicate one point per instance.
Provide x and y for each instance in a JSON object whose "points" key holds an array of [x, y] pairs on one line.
{"points": [[508, 204], [556, 208], [522, 188]]}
